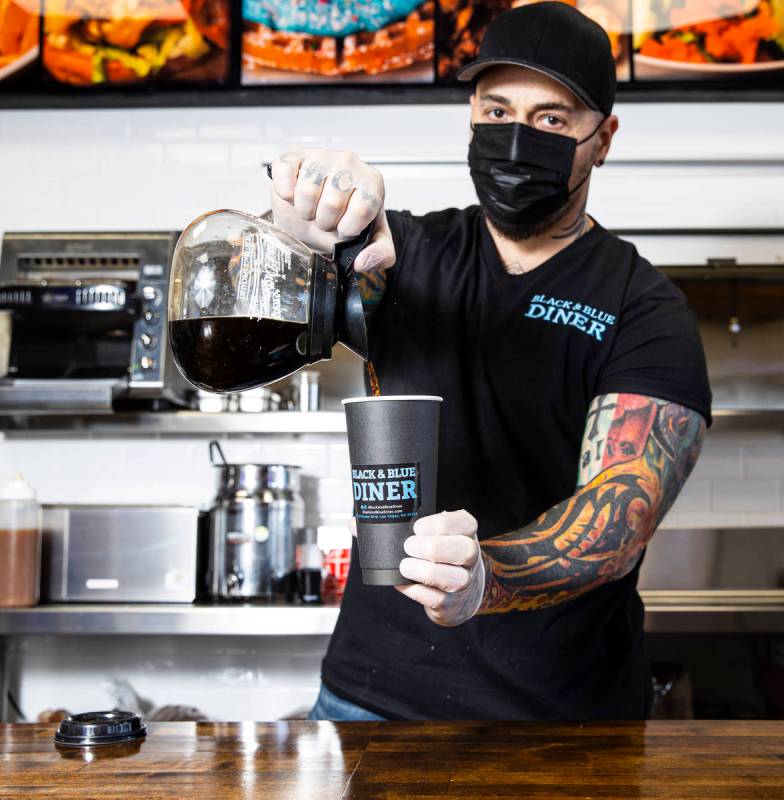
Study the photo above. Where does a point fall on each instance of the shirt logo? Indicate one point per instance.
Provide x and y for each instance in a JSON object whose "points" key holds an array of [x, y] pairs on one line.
{"points": [[587, 319]]}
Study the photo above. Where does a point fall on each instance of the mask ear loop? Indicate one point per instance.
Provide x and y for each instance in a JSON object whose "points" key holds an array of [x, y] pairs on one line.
{"points": [[590, 136], [593, 132]]}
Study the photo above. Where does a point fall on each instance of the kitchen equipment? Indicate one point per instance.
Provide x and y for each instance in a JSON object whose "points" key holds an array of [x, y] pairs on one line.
{"points": [[211, 402], [252, 401], [255, 401], [335, 542], [734, 282], [89, 314], [309, 560], [94, 728], [306, 390], [249, 304], [254, 524], [142, 554], [6, 319], [20, 544]]}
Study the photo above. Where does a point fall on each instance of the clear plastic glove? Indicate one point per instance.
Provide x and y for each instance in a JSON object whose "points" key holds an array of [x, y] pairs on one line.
{"points": [[448, 566], [322, 196]]}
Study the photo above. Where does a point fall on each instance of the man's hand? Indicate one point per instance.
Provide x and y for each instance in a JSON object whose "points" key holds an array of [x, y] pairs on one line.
{"points": [[323, 196], [447, 563]]}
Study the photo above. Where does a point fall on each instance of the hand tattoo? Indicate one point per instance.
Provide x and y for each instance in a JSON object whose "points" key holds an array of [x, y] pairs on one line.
{"points": [[338, 180], [637, 453], [314, 171], [372, 199]]}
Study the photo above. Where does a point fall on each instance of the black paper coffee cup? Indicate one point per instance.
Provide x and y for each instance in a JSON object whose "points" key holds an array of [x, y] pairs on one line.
{"points": [[393, 446]]}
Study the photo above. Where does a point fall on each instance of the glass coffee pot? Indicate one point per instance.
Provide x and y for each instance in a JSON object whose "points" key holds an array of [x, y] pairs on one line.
{"points": [[250, 304]]}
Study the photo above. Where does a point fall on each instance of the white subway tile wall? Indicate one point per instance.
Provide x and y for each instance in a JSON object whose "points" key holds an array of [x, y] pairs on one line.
{"points": [[160, 168], [737, 474], [177, 470]]}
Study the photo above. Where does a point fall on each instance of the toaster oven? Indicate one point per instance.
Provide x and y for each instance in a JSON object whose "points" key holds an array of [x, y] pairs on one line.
{"points": [[88, 328]]}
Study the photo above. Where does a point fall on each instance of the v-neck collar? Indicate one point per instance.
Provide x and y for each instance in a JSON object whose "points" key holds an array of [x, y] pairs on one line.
{"points": [[491, 256]]}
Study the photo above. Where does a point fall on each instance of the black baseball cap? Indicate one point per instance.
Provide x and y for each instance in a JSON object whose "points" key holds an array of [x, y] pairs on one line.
{"points": [[554, 38]]}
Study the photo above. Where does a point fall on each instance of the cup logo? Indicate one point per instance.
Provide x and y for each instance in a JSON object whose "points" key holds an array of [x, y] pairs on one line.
{"points": [[386, 492]]}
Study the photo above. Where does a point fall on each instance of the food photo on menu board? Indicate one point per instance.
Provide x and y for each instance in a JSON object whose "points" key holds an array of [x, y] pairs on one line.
{"points": [[122, 42], [704, 39], [19, 24], [303, 41], [462, 23]]}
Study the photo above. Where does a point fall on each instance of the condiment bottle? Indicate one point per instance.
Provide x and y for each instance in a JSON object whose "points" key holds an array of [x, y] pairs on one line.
{"points": [[20, 544]]}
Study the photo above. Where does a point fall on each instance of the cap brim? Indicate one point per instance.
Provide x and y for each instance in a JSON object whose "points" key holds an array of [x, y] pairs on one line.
{"points": [[471, 70]]}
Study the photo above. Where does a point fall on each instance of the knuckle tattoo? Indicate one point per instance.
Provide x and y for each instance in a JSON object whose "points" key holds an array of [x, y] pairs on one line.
{"points": [[369, 197], [343, 180], [313, 171]]}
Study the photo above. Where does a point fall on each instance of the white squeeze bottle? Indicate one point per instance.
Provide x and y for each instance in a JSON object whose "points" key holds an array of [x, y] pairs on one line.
{"points": [[20, 544]]}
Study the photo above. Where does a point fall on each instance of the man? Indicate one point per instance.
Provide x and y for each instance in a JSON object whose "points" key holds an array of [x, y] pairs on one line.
{"points": [[575, 402]]}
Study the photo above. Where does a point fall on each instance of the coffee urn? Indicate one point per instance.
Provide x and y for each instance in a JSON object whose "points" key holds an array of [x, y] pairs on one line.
{"points": [[254, 525]]}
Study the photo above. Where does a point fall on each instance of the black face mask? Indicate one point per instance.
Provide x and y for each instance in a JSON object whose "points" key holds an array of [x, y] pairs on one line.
{"points": [[521, 174]]}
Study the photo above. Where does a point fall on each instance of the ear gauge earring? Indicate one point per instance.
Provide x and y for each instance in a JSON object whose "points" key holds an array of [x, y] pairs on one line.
{"points": [[600, 162]]}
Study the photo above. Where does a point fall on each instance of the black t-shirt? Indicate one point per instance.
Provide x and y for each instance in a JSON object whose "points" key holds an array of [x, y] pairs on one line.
{"points": [[517, 359]]}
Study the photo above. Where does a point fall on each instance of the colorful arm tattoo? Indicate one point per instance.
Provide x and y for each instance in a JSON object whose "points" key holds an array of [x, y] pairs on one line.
{"points": [[371, 288], [636, 455]]}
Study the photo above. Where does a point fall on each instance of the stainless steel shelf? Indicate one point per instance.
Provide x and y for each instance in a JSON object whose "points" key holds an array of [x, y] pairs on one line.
{"points": [[714, 611], [190, 423], [173, 423], [170, 619], [748, 418], [666, 612]]}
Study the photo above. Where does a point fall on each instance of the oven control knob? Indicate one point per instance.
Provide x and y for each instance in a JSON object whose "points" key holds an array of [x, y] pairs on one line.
{"points": [[151, 295], [148, 340], [147, 362]]}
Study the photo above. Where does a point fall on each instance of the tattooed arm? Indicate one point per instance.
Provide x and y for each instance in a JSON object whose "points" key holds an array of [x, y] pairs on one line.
{"points": [[637, 453], [371, 287]]}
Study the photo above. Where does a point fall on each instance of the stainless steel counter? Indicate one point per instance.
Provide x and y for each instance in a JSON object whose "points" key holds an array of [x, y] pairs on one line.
{"points": [[171, 423], [169, 619], [682, 612], [194, 423], [666, 612]]}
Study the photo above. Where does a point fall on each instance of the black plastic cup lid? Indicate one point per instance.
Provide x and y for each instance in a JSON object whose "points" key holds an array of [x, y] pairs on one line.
{"points": [[100, 727]]}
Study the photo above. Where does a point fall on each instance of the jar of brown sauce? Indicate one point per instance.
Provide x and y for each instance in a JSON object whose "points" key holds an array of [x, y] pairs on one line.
{"points": [[20, 544]]}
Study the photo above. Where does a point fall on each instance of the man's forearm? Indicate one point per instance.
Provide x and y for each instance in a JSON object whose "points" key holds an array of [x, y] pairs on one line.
{"points": [[598, 534]]}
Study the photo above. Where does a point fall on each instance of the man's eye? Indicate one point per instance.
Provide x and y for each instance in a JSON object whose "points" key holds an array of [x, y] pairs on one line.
{"points": [[496, 113], [553, 121]]}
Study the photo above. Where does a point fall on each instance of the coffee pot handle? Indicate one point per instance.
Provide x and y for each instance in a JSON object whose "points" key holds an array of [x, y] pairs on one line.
{"points": [[344, 253]]}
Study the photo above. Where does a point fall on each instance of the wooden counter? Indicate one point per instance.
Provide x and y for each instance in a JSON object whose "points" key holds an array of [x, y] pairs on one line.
{"points": [[364, 760]]}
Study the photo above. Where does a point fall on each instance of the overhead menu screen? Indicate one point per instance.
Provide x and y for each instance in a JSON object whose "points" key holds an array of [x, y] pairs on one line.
{"points": [[67, 46], [338, 40], [462, 24], [708, 39], [19, 46]]}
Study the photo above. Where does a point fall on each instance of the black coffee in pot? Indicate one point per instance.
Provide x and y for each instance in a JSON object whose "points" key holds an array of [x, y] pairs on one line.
{"points": [[230, 354]]}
